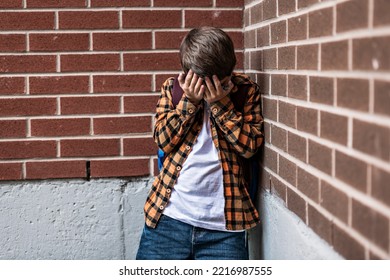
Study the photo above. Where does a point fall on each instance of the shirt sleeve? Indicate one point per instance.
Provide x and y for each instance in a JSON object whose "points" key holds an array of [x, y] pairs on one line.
{"points": [[242, 130], [172, 124]]}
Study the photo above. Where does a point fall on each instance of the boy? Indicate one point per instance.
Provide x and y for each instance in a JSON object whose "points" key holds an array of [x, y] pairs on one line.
{"points": [[198, 207]]}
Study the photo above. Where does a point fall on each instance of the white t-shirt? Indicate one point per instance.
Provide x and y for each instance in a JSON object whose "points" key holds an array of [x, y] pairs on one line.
{"points": [[198, 196]]}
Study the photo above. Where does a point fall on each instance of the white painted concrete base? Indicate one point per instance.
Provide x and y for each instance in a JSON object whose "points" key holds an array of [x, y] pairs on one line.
{"points": [[71, 219], [282, 235]]}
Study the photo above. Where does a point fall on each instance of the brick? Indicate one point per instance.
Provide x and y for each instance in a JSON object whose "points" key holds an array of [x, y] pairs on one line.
{"points": [[296, 204], [351, 170], [183, 3], [139, 147], [120, 3], [321, 23], [307, 57], [56, 4], [132, 104], [278, 188], [264, 81], [122, 125], [119, 168], [278, 32], [352, 15], [286, 57], [228, 3], [151, 19], [279, 84], [380, 184], [122, 41], [306, 3], [216, 18], [307, 120], [59, 85], [371, 54], [263, 38], [320, 224], [89, 63], [371, 139], [250, 39], [334, 56], [160, 79], [381, 97], [12, 85], [346, 245], [269, 9], [13, 128], [256, 60], [88, 20], [308, 184], [321, 90], [287, 170], [10, 171], [246, 17], [122, 83], [90, 105], [288, 113], [286, 7], [60, 127], [28, 107], [151, 61], [297, 27], [12, 43], [371, 224], [269, 59], [267, 132], [334, 127], [55, 170], [297, 87], [58, 42], [8, 4], [27, 63], [297, 146], [169, 40], [270, 110], [270, 159], [335, 201], [89, 147], [279, 137], [320, 157], [353, 94], [381, 15], [256, 13], [27, 149], [26, 20]]}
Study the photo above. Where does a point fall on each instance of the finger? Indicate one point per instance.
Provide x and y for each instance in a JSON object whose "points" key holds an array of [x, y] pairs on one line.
{"points": [[217, 83], [189, 78], [228, 87], [198, 85], [210, 85], [194, 81], [181, 78]]}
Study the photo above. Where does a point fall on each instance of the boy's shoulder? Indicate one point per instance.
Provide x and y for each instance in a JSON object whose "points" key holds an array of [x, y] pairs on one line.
{"points": [[242, 79]]}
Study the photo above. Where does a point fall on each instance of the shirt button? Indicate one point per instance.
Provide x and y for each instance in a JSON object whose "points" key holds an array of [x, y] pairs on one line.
{"points": [[188, 148], [168, 190], [161, 207], [190, 111], [178, 168], [215, 110]]}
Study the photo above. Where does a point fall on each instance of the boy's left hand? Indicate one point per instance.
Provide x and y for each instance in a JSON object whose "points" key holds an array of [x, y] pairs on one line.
{"points": [[217, 92]]}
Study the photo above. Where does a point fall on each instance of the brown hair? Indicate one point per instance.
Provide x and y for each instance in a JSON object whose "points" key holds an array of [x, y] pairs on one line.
{"points": [[208, 51]]}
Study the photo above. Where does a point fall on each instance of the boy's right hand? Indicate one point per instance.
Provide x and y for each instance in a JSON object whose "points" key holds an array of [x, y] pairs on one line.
{"points": [[192, 86]]}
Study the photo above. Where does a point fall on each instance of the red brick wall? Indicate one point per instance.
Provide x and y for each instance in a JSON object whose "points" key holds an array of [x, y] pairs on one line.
{"points": [[79, 81], [324, 68]]}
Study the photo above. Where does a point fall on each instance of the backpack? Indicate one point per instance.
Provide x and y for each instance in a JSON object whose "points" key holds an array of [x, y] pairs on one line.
{"points": [[250, 166]]}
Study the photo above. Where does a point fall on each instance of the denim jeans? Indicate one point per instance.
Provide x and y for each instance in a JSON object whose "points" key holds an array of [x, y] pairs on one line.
{"points": [[175, 240]]}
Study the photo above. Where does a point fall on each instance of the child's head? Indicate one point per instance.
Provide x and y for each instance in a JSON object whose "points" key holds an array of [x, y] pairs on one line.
{"points": [[208, 51]]}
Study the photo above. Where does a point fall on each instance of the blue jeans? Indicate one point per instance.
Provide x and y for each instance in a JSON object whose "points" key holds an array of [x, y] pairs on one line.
{"points": [[175, 240]]}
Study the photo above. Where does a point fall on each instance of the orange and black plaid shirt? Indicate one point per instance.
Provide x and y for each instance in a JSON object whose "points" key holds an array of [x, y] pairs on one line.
{"points": [[234, 133]]}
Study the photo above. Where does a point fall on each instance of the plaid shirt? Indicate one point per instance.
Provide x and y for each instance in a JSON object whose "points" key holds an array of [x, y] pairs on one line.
{"points": [[234, 133]]}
